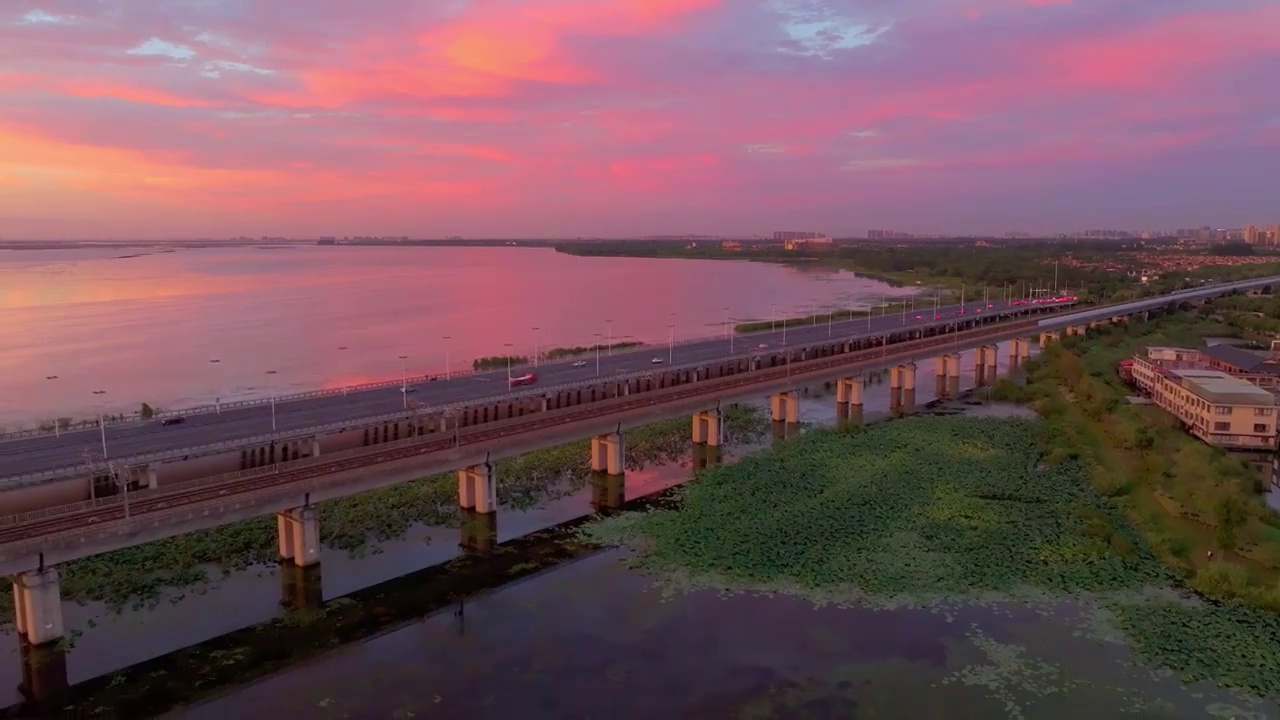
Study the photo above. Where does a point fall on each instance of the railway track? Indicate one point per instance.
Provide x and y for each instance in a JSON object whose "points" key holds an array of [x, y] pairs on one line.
{"points": [[148, 503]]}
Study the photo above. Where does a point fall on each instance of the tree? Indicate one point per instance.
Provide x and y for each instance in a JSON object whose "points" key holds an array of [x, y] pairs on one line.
{"points": [[1231, 514], [146, 412]]}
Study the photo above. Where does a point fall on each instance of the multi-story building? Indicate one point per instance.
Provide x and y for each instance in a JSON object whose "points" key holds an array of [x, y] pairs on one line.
{"points": [[1260, 369], [1215, 407]]}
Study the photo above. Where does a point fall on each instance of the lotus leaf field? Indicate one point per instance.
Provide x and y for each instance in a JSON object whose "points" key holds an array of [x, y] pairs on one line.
{"points": [[941, 512], [138, 577]]}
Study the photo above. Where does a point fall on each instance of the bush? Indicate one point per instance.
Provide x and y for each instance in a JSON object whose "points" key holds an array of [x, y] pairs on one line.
{"points": [[1221, 581]]}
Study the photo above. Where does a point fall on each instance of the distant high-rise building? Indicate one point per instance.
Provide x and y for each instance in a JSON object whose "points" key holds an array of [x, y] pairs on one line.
{"points": [[1251, 234]]}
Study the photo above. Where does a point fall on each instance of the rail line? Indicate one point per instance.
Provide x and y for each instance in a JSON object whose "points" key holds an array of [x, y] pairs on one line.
{"points": [[148, 503]]}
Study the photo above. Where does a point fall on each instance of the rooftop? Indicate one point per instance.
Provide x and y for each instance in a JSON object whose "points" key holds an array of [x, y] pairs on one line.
{"points": [[1222, 389], [1246, 360]]}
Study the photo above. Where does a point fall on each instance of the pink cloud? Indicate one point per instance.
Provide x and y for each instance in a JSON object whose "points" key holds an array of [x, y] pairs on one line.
{"points": [[303, 117]]}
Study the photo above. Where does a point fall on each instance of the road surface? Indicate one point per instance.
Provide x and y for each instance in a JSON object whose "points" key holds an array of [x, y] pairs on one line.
{"points": [[46, 452]]}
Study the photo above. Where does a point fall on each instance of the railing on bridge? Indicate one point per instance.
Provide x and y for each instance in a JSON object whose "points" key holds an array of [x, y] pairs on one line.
{"points": [[465, 436]]}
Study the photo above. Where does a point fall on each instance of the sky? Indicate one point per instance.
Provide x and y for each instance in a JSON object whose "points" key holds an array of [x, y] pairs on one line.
{"points": [[563, 118]]}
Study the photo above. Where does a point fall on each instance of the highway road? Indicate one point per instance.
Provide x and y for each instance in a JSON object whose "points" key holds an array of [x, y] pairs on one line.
{"points": [[35, 454]]}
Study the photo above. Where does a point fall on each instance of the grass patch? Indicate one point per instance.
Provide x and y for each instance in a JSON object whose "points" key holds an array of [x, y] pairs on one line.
{"points": [[937, 511]]}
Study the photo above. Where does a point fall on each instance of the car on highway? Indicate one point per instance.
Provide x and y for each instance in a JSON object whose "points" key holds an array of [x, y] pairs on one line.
{"points": [[580, 363], [656, 361], [762, 346], [173, 420], [409, 389], [525, 379]]}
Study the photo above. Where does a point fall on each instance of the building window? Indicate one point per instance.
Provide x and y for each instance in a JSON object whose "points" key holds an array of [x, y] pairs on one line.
{"points": [[1261, 428], [1222, 410], [1262, 412], [1221, 426]]}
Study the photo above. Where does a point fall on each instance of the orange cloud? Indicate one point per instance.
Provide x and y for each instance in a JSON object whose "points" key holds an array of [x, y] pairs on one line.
{"points": [[485, 52], [97, 89]]}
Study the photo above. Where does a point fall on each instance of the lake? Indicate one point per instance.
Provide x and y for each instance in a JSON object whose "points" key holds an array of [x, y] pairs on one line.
{"points": [[143, 324]]}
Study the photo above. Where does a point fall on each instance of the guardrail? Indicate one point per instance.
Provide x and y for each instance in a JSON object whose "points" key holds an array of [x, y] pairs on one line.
{"points": [[539, 421], [302, 433]]}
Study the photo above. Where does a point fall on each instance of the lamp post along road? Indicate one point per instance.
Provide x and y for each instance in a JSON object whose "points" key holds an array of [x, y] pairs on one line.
{"points": [[273, 405], [57, 424], [596, 337], [102, 425], [608, 351], [508, 347], [535, 346], [217, 398], [345, 385], [404, 382], [446, 339]]}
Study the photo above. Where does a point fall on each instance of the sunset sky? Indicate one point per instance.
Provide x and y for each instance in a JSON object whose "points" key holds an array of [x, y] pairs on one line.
{"points": [[506, 118]]}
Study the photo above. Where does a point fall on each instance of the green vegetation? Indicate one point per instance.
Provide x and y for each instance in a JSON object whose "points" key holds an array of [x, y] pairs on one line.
{"points": [[146, 412], [939, 511], [358, 524], [934, 508], [1096, 270], [823, 318], [498, 362], [1186, 497], [560, 353]]}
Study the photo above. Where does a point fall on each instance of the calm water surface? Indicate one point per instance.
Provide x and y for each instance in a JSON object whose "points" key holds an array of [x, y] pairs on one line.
{"points": [[143, 324]]}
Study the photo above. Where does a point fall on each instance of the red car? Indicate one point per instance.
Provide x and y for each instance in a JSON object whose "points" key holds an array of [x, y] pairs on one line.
{"points": [[525, 379]]}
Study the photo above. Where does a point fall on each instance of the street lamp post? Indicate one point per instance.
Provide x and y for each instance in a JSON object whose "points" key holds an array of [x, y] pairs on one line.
{"points": [[830, 316], [57, 424], [508, 347], [446, 356], [345, 386], [102, 425], [671, 340], [535, 346], [726, 321], [217, 399], [597, 344], [608, 347], [273, 404], [773, 318], [404, 381]]}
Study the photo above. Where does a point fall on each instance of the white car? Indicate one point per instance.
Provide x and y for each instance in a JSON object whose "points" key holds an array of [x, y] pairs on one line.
{"points": [[580, 363], [762, 346], [656, 361]]}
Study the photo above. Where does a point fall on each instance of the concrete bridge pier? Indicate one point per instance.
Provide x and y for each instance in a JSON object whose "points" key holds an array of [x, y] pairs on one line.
{"points": [[44, 676], [980, 366], [1024, 350], [478, 507], [37, 606], [908, 404], [1047, 337], [705, 456], [708, 428], [895, 388], [785, 407], [849, 393], [608, 454], [298, 532], [301, 587], [940, 377], [992, 354], [953, 375], [1076, 330]]}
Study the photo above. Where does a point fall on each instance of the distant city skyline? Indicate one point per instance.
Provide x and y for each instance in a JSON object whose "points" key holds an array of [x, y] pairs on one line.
{"points": [[564, 118]]}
